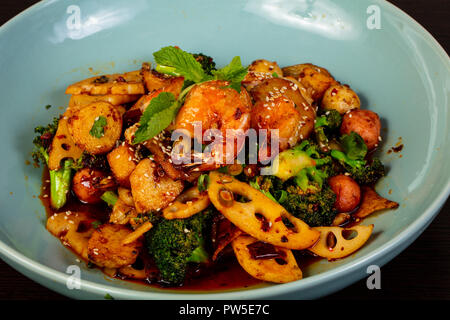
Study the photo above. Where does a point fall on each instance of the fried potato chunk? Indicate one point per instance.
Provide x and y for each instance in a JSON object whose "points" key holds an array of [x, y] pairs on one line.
{"points": [[316, 79], [337, 242], [259, 216], [260, 70], [74, 230], [106, 249], [127, 83], [340, 98], [122, 162], [152, 189], [275, 264], [81, 124]]}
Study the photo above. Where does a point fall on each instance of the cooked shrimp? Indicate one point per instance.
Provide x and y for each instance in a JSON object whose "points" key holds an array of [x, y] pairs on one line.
{"points": [[280, 114], [216, 107], [280, 105]]}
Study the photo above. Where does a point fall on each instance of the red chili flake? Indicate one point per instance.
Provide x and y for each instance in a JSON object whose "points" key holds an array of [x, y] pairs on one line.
{"points": [[237, 114]]}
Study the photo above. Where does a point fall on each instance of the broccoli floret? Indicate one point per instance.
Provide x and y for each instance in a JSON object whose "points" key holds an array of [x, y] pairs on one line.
{"points": [[59, 179], [43, 141], [353, 160], [314, 208], [176, 243], [326, 125], [312, 178], [207, 62], [368, 173]]}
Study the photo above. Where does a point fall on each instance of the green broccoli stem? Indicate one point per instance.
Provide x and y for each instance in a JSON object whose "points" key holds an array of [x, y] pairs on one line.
{"points": [[59, 181], [199, 255], [110, 198], [60, 184], [343, 158]]}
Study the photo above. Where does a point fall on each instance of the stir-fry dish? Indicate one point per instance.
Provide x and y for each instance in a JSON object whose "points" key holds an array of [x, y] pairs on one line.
{"points": [[166, 173]]}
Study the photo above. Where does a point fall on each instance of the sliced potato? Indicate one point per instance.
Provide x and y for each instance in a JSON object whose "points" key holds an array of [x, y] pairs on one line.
{"points": [[63, 146], [152, 189], [127, 83], [122, 162], [82, 121], [280, 269], [371, 202], [334, 242], [105, 247], [78, 101], [187, 204], [260, 217], [74, 229]]}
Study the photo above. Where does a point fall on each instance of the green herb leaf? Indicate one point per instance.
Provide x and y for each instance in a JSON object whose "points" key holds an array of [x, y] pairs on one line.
{"points": [[108, 297], [203, 182], [254, 184], [234, 73], [98, 128], [354, 146], [96, 224], [181, 63], [158, 116]]}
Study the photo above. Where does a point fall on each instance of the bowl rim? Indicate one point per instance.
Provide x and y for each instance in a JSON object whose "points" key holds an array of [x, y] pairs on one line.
{"points": [[405, 237]]}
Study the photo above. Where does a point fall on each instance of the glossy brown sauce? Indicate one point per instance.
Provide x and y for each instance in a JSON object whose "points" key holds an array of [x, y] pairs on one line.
{"points": [[223, 275]]}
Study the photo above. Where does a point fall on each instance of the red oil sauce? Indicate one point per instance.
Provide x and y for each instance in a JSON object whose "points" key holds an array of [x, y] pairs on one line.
{"points": [[223, 275]]}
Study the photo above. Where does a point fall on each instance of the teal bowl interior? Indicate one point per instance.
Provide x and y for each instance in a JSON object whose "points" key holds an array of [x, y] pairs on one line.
{"points": [[399, 71]]}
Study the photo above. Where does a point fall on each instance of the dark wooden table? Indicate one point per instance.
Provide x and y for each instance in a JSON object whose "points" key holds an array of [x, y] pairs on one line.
{"points": [[420, 272]]}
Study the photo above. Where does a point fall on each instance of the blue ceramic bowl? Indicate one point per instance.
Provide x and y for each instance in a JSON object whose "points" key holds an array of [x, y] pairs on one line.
{"points": [[395, 66]]}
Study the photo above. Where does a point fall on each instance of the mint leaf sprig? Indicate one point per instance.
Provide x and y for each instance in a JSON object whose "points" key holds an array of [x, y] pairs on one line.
{"points": [[159, 114], [174, 61]]}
